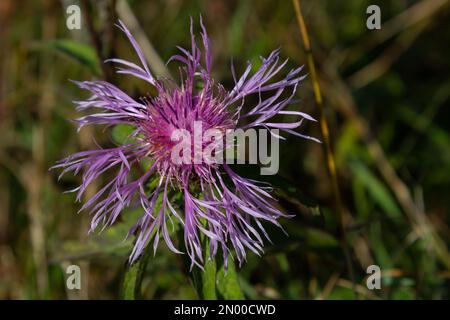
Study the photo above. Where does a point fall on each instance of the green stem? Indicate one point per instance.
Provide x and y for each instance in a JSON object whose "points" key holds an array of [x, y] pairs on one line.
{"points": [[214, 282], [132, 281]]}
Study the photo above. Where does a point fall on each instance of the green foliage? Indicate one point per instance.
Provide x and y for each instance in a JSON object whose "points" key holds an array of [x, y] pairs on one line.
{"points": [[133, 280], [82, 53], [375, 188], [205, 280], [228, 282]]}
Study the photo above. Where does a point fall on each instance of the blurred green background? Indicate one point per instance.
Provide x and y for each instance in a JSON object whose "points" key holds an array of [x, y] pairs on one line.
{"points": [[386, 95]]}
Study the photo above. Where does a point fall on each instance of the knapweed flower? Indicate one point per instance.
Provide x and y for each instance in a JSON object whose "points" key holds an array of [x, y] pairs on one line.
{"points": [[215, 201]]}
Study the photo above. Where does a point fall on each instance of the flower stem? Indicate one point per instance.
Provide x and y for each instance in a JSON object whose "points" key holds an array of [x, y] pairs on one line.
{"points": [[132, 281]]}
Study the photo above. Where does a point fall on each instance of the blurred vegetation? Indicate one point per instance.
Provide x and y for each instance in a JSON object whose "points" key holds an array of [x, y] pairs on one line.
{"points": [[386, 96]]}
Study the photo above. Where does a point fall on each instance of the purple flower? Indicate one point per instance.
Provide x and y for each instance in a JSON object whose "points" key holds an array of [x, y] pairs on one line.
{"points": [[226, 208]]}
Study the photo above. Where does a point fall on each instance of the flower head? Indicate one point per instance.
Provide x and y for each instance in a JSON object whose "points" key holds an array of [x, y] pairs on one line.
{"points": [[217, 204]]}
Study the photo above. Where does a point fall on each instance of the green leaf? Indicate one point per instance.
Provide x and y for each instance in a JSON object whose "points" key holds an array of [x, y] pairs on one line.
{"points": [[80, 52], [209, 280], [320, 239], [381, 253], [130, 280], [205, 281], [134, 274], [228, 283], [375, 188], [360, 196]]}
